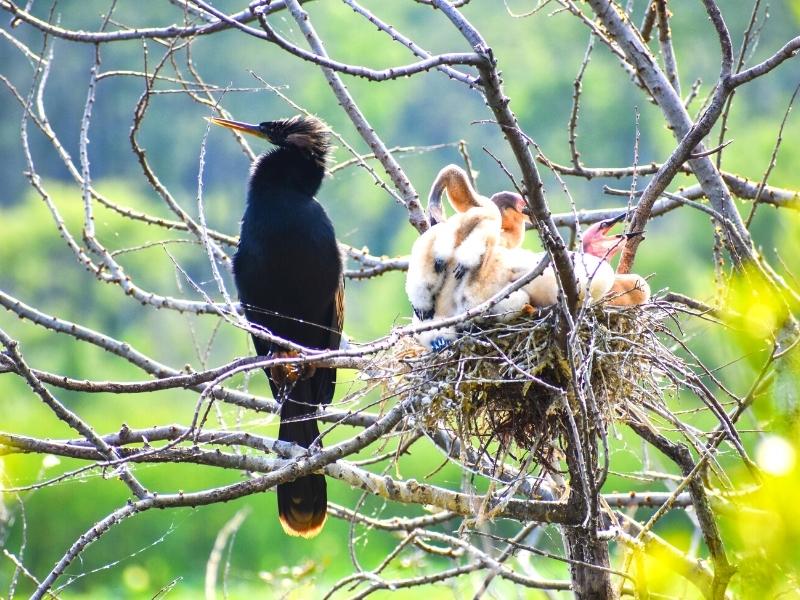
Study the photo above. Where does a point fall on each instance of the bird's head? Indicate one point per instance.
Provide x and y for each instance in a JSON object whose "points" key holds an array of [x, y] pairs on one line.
{"points": [[512, 207], [514, 214], [305, 133], [597, 242], [462, 197]]}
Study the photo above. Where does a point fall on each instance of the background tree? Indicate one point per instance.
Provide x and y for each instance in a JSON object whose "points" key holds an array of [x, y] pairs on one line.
{"points": [[125, 397]]}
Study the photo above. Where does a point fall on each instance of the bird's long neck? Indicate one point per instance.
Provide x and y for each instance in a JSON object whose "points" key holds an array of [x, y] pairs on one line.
{"points": [[512, 229], [287, 168], [460, 192]]}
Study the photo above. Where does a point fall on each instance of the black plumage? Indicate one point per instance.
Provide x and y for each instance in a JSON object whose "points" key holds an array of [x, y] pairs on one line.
{"points": [[288, 271]]}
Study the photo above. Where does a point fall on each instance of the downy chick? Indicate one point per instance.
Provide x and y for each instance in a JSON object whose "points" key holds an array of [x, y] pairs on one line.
{"points": [[594, 276], [503, 261], [455, 244], [628, 289], [507, 262]]}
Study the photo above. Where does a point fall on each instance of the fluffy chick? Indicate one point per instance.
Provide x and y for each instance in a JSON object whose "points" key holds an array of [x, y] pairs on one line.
{"points": [[627, 289], [456, 244], [500, 263]]}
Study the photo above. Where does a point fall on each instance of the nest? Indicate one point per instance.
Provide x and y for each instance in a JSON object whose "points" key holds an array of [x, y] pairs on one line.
{"points": [[510, 386]]}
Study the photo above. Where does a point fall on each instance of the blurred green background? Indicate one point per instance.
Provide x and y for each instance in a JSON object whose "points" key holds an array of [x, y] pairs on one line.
{"points": [[539, 57]]}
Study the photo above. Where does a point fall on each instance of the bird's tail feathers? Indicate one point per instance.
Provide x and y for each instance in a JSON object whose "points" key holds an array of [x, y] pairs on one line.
{"points": [[302, 503], [303, 506]]}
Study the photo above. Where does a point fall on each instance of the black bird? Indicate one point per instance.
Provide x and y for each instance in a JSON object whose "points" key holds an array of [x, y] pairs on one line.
{"points": [[288, 271]]}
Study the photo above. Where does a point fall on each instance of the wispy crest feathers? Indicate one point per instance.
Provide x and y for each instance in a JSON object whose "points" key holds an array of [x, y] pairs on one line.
{"points": [[304, 132]]}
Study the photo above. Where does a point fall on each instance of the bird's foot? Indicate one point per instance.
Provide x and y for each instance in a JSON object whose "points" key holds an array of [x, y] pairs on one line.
{"points": [[439, 264], [459, 271], [439, 343], [287, 375], [528, 310]]}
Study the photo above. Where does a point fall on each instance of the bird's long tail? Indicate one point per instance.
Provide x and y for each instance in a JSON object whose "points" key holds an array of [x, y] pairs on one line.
{"points": [[302, 503]]}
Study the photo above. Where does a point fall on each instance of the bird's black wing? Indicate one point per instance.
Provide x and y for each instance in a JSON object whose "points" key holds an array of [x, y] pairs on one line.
{"points": [[325, 379]]}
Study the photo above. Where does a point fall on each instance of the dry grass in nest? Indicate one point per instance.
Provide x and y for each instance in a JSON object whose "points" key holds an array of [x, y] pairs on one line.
{"points": [[506, 385]]}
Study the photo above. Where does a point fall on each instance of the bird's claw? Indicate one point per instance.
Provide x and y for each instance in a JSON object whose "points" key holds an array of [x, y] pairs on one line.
{"points": [[459, 271], [439, 265], [285, 375], [439, 343]]}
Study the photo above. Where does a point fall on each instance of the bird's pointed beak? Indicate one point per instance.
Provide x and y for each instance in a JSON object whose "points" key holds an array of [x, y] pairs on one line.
{"points": [[609, 223], [526, 212], [238, 126], [632, 234]]}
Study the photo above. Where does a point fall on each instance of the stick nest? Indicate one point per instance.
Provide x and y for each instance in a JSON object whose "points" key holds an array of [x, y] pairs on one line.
{"points": [[509, 385]]}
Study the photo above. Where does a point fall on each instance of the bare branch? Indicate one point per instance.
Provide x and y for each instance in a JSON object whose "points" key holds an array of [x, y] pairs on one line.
{"points": [[69, 417], [169, 33], [393, 169], [665, 40], [691, 134], [789, 50]]}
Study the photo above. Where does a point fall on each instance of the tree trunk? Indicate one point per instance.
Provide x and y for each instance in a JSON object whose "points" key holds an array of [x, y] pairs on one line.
{"points": [[588, 581], [591, 578]]}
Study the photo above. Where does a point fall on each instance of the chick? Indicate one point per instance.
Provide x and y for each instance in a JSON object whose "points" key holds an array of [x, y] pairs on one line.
{"points": [[505, 262], [628, 289], [502, 261], [457, 244], [593, 275], [474, 227]]}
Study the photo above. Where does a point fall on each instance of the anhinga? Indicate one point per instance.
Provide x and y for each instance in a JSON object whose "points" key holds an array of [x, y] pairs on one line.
{"points": [[288, 271], [594, 275], [478, 234], [474, 227], [597, 243], [500, 263], [628, 289], [457, 243]]}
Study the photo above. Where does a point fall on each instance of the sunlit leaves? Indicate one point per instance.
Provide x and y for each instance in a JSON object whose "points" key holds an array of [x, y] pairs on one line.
{"points": [[766, 525]]}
